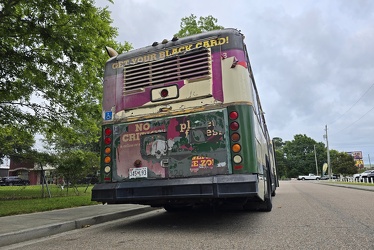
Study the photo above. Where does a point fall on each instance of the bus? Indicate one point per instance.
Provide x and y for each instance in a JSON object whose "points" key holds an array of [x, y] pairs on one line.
{"points": [[183, 126]]}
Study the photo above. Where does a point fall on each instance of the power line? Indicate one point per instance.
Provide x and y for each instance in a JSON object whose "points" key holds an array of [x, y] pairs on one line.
{"points": [[354, 104], [356, 120]]}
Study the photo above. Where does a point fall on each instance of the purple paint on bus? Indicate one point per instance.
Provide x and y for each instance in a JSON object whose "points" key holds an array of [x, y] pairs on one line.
{"points": [[113, 86], [139, 99], [217, 77]]}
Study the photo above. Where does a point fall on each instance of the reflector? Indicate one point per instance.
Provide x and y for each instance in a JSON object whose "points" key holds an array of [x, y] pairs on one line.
{"points": [[238, 167]]}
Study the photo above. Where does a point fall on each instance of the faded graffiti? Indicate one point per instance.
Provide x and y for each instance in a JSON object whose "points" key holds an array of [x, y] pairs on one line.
{"points": [[190, 145]]}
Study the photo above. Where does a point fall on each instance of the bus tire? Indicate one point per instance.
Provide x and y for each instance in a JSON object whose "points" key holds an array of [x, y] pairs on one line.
{"points": [[273, 193], [267, 204]]}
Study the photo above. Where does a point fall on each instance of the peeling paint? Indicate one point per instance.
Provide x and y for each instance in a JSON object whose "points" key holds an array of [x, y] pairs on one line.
{"points": [[190, 145]]}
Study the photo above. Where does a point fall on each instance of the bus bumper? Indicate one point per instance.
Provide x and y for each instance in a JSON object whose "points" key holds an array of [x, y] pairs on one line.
{"points": [[158, 192]]}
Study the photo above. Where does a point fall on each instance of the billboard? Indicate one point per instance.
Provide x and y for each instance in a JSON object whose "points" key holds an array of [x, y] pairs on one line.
{"points": [[357, 156]]}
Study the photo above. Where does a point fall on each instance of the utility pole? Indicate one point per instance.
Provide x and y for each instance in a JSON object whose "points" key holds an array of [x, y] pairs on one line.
{"points": [[315, 157], [369, 160], [328, 153]]}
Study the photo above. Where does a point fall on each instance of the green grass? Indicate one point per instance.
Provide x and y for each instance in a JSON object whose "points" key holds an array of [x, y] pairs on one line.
{"points": [[29, 199]]}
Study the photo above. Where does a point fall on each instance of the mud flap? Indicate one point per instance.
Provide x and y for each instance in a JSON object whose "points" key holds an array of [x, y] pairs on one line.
{"points": [[264, 206]]}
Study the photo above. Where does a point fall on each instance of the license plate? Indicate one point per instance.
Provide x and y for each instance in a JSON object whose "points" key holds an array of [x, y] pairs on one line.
{"points": [[138, 172]]}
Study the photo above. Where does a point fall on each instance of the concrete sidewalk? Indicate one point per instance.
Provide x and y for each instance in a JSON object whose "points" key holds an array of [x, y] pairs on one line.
{"points": [[19, 228]]}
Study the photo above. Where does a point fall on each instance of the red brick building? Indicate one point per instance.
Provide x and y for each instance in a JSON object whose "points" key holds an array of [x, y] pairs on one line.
{"points": [[28, 170]]}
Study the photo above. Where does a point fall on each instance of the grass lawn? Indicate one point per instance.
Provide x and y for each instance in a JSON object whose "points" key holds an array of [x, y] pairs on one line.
{"points": [[29, 199]]}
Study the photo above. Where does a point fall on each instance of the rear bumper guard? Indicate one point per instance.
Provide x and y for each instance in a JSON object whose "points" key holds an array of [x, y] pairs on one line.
{"points": [[146, 191]]}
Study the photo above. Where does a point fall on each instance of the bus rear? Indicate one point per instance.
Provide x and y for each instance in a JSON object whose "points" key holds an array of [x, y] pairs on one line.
{"points": [[182, 125]]}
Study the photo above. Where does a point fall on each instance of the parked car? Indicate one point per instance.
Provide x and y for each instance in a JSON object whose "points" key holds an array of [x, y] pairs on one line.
{"points": [[326, 177], [309, 177], [371, 175], [356, 177], [13, 180], [89, 179], [365, 175]]}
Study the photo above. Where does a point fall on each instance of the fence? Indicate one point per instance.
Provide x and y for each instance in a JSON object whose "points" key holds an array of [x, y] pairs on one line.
{"points": [[369, 180]]}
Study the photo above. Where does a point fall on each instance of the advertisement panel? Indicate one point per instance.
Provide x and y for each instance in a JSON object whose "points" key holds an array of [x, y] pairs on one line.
{"points": [[357, 156]]}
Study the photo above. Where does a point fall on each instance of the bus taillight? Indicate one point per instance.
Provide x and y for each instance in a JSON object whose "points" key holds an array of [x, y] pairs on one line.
{"points": [[235, 140], [233, 115], [107, 140], [234, 126], [106, 157], [235, 137], [108, 131]]}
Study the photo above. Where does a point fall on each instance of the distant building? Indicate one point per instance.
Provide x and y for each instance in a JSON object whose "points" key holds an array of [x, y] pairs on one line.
{"points": [[4, 171], [29, 170]]}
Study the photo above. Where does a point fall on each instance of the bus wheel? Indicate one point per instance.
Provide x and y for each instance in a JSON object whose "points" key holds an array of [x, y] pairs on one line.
{"points": [[273, 193], [267, 204]]}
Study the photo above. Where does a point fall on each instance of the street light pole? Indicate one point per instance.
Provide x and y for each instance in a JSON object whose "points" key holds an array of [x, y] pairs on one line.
{"points": [[369, 160]]}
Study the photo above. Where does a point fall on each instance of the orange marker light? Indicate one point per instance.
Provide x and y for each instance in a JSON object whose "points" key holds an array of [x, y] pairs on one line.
{"points": [[236, 148], [107, 159], [107, 150]]}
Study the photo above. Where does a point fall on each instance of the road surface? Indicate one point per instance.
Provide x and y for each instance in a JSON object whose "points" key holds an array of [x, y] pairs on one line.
{"points": [[306, 215]]}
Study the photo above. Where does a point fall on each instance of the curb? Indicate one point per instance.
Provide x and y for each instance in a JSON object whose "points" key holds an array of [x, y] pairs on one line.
{"points": [[364, 188], [52, 229]]}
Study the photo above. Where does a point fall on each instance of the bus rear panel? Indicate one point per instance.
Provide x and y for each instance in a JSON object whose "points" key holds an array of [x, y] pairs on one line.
{"points": [[182, 124]]}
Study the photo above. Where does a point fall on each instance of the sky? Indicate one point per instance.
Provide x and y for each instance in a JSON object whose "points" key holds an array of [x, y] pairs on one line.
{"points": [[313, 61]]}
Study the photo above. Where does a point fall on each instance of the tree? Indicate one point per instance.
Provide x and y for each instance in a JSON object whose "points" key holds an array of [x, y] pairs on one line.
{"points": [[14, 141], [52, 58], [342, 163], [190, 26], [300, 155], [281, 161], [278, 143], [76, 164]]}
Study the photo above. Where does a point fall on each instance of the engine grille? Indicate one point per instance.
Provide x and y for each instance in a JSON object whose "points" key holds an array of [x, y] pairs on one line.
{"points": [[189, 65]]}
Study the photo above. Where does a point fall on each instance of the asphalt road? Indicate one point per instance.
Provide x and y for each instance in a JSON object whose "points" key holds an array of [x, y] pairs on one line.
{"points": [[305, 215]]}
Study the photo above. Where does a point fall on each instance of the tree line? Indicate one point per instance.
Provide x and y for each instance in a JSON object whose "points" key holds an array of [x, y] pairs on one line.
{"points": [[303, 155]]}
